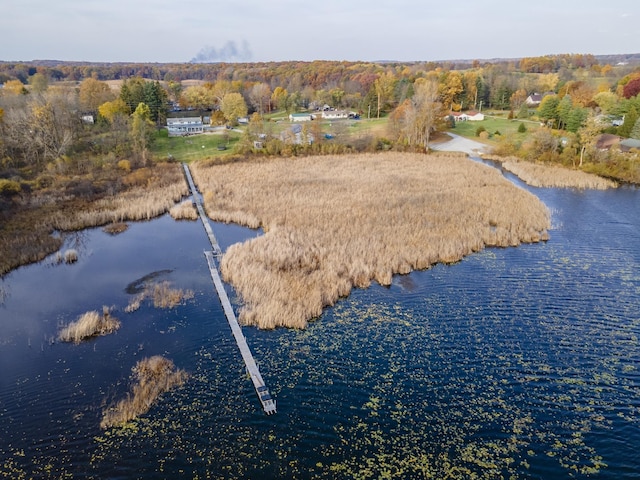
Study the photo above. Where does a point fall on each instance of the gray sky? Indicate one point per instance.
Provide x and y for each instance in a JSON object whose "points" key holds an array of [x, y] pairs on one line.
{"points": [[264, 30]]}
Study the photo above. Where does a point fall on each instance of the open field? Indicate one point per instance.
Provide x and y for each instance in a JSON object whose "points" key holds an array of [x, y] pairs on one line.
{"points": [[195, 147], [493, 124], [548, 176], [337, 222]]}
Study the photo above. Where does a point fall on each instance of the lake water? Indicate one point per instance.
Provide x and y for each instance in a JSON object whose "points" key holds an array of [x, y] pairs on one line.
{"points": [[518, 362]]}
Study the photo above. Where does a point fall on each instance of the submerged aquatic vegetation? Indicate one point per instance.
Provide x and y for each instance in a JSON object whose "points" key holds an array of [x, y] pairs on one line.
{"points": [[89, 324], [334, 223], [152, 377]]}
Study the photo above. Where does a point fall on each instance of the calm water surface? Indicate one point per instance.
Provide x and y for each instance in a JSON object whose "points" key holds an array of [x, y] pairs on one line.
{"points": [[520, 362]]}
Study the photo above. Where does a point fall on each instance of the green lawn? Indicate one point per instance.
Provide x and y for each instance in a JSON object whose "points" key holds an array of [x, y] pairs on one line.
{"points": [[194, 147], [494, 124]]}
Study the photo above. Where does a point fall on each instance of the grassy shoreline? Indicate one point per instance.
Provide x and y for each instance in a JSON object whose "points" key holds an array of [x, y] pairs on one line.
{"points": [[26, 236], [333, 223], [552, 176]]}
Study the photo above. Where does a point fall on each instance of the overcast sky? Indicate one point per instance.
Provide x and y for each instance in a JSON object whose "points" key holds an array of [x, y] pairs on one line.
{"points": [[264, 30]]}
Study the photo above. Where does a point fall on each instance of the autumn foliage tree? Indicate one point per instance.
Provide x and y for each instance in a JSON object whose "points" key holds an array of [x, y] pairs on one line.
{"points": [[632, 88], [141, 131], [233, 107]]}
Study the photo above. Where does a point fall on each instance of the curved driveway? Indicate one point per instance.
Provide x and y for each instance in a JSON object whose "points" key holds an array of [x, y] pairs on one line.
{"points": [[461, 144]]}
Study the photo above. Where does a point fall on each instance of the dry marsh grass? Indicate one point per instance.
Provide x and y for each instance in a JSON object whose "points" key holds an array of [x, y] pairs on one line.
{"points": [[553, 176], [115, 228], [162, 296], [26, 234], [152, 377], [334, 223], [162, 188], [89, 324], [184, 211]]}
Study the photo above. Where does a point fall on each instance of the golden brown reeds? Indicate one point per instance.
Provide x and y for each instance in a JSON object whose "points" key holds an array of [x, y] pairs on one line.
{"points": [[115, 228], [142, 202], [153, 376], [162, 294], [89, 324], [184, 211], [332, 223], [553, 176]]}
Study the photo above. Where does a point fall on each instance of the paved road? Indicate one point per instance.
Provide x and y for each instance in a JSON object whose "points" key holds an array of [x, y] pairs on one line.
{"points": [[461, 144]]}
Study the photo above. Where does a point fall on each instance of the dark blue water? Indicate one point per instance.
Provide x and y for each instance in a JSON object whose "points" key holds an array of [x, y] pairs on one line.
{"points": [[520, 362]]}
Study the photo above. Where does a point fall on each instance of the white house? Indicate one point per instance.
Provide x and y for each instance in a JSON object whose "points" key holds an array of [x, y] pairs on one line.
{"points": [[335, 114], [184, 126], [301, 117], [468, 116]]}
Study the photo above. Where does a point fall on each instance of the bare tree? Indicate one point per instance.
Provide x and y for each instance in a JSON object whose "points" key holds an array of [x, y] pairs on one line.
{"points": [[423, 114], [259, 97]]}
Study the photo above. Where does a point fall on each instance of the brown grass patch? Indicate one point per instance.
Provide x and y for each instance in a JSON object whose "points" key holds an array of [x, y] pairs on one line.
{"points": [[184, 211], [553, 176], [162, 187], [332, 223], [89, 324], [152, 377], [115, 228], [162, 295]]}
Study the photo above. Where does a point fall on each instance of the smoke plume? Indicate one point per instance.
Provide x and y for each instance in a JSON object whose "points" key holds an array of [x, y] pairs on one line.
{"points": [[229, 52]]}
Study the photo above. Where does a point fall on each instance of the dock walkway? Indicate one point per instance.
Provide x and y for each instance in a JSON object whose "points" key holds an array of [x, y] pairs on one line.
{"points": [[268, 402]]}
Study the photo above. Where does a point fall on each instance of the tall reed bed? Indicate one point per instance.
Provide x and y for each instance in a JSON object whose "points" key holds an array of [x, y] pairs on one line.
{"points": [[184, 211], [152, 377], [548, 176], [334, 223], [89, 324]]}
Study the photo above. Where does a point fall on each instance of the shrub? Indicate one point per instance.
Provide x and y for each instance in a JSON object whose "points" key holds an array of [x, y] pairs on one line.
{"points": [[124, 165], [479, 130], [9, 188], [522, 128]]}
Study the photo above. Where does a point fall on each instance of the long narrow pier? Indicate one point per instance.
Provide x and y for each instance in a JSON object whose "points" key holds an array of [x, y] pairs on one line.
{"points": [[268, 402]]}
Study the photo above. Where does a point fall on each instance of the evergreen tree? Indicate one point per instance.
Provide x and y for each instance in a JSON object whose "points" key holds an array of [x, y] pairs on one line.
{"points": [[635, 131], [630, 119], [548, 109], [576, 118], [523, 112], [564, 109]]}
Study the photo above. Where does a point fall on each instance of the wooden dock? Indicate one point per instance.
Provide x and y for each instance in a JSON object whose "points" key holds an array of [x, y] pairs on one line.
{"points": [[268, 402]]}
